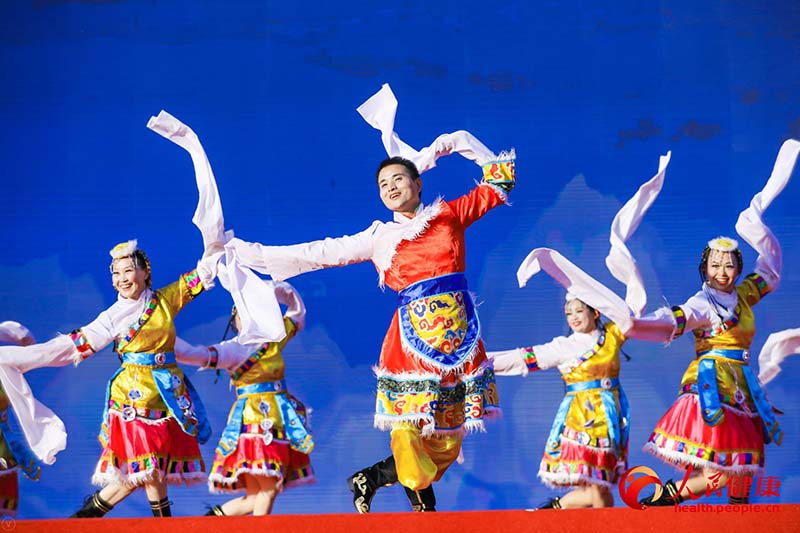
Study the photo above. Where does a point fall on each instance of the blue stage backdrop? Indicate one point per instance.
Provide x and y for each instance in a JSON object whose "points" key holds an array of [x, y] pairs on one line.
{"points": [[589, 95]]}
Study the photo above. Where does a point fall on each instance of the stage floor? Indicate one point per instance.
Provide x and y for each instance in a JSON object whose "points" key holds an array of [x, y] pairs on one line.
{"points": [[689, 518]]}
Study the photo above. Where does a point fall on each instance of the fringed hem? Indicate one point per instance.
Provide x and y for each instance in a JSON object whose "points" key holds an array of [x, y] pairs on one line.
{"points": [[474, 426], [561, 481], [413, 229], [405, 376], [141, 478], [233, 484], [425, 422], [505, 155], [681, 461], [421, 359], [427, 426]]}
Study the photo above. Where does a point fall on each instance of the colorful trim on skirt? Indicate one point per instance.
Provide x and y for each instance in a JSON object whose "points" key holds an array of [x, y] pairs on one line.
{"points": [[141, 451], [576, 464], [735, 445], [255, 457]]}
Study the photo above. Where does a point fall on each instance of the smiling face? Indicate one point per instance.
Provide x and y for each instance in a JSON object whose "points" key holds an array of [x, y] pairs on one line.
{"points": [[721, 271], [127, 279], [580, 317], [398, 190]]}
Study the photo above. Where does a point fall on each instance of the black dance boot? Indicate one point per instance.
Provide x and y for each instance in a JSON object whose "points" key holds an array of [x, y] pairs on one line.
{"points": [[365, 483], [161, 508], [668, 496], [552, 503], [422, 501], [93, 507], [215, 511]]}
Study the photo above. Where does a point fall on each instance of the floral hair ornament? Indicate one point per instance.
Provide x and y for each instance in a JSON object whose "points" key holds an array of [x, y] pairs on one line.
{"points": [[723, 244], [131, 249]]}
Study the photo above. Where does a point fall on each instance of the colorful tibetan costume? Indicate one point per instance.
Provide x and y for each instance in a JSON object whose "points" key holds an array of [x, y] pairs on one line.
{"points": [[721, 419], [433, 376], [267, 432], [588, 442], [153, 418]]}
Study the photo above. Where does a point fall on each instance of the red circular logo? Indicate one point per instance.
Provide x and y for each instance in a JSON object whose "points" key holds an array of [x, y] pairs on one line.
{"points": [[632, 483]]}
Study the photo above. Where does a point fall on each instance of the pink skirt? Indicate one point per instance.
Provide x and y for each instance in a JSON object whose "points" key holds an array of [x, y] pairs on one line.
{"points": [[682, 438], [140, 451], [255, 457]]}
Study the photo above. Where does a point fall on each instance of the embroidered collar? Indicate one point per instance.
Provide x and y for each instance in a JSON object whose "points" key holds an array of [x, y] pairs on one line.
{"points": [[569, 366], [248, 364], [134, 328]]}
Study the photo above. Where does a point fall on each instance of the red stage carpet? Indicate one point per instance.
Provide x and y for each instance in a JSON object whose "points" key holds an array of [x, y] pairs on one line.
{"points": [[687, 519]]}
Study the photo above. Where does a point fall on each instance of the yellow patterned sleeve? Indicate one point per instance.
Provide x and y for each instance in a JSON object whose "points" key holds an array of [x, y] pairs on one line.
{"points": [[182, 291], [291, 331], [753, 288]]}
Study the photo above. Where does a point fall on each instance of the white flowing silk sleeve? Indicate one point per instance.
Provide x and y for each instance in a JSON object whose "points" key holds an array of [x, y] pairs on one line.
{"points": [[620, 262], [750, 225], [208, 216], [560, 350], [283, 262], [663, 324], [43, 430], [14, 332], [255, 299], [509, 362], [379, 111], [225, 355], [576, 281], [778, 347]]}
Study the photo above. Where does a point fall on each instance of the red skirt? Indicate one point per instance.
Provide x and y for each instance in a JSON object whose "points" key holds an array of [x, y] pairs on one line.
{"points": [[140, 451], [682, 438], [255, 457]]}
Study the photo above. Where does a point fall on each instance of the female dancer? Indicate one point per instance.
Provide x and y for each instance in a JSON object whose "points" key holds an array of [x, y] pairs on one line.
{"points": [[588, 443], [265, 446], [152, 418], [587, 447], [718, 426]]}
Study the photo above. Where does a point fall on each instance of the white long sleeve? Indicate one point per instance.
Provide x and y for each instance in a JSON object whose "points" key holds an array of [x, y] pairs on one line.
{"points": [[284, 262], [620, 261], [750, 225], [14, 332], [509, 362], [231, 354], [557, 352], [379, 111], [576, 281], [778, 347]]}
